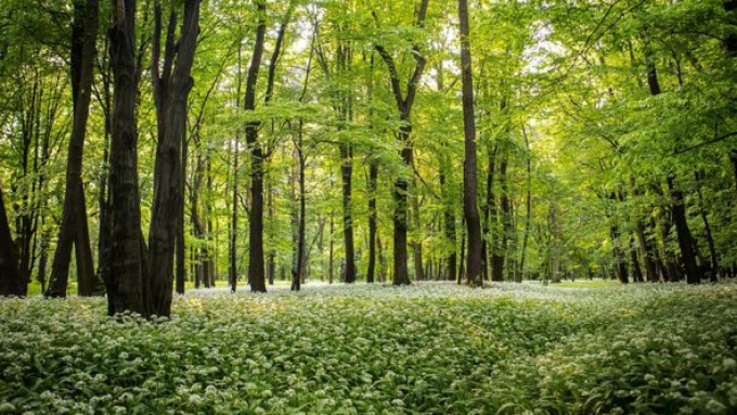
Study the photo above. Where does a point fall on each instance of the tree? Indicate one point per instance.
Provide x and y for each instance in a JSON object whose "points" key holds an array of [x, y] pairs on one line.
{"points": [[11, 282], [125, 282], [171, 90], [404, 103], [470, 174], [74, 221]]}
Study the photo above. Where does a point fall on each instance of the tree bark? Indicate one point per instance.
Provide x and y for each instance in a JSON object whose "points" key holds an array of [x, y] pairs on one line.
{"points": [[256, 277], [404, 104], [685, 239], [470, 173], [11, 283], [125, 280], [171, 92], [373, 177], [74, 213]]}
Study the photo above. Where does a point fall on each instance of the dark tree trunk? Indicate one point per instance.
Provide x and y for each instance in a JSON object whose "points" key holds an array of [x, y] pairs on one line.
{"points": [[125, 279], [404, 104], [331, 274], [373, 177], [301, 249], [449, 222], [256, 277], [181, 270], [685, 239], [346, 175], [621, 264], [11, 282], [74, 214], [647, 252], [470, 173], [401, 275], [271, 260], [707, 230], [171, 92], [636, 270], [528, 210]]}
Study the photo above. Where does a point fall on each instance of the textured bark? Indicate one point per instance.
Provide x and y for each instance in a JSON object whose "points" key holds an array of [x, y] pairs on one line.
{"points": [[171, 92], [74, 219], [373, 177], [302, 223], [346, 176], [470, 173], [685, 239], [256, 277], [11, 283], [125, 280], [619, 260]]}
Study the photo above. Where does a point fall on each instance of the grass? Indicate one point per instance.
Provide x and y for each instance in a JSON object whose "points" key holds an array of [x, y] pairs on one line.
{"points": [[431, 348]]}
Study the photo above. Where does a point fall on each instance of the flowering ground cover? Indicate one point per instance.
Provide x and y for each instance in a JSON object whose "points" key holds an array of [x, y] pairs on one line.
{"points": [[424, 349]]}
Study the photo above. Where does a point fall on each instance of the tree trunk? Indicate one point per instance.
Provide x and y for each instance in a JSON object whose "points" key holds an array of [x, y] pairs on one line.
{"points": [[498, 256], [449, 221], [707, 230], [404, 104], [685, 240], [11, 283], [528, 210], [373, 177], [470, 173], [401, 276], [346, 174], [72, 229], [256, 277], [417, 242], [125, 280], [171, 92]]}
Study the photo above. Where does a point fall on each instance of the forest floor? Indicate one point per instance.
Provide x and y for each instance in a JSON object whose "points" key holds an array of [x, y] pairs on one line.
{"points": [[431, 348]]}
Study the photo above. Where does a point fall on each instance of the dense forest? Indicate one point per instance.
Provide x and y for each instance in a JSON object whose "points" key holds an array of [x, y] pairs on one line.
{"points": [[149, 146], [392, 207]]}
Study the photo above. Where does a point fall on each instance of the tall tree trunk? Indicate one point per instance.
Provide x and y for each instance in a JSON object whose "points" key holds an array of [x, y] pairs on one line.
{"points": [[636, 270], [331, 274], [707, 230], [181, 270], [301, 252], [491, 237], [373, 177], [74, 213], [256, 277], [470, 173], [346, 175], [417, 243], [449, 221], [685, 239], [404, 104], [171, 92], [11, 282], [528, 210], [125, 280]]}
